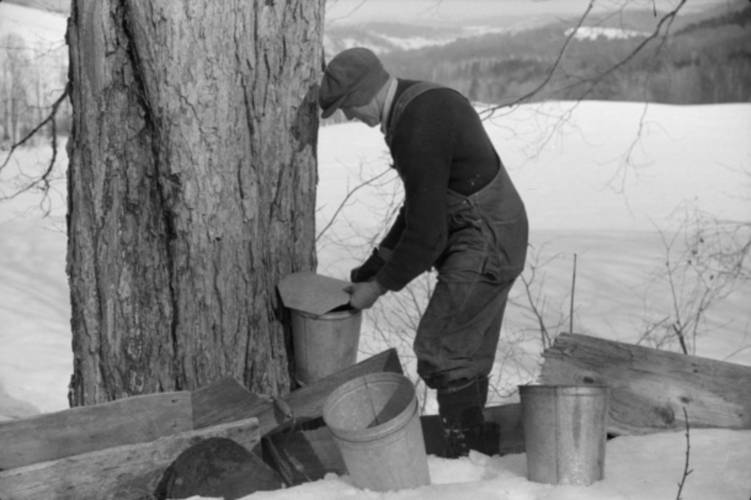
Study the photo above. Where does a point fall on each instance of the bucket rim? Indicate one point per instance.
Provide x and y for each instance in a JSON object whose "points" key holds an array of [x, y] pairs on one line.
{"points": [[375, 432], [328, 316]]}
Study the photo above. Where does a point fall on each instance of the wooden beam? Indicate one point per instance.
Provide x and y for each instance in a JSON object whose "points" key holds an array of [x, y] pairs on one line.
{"points": [[301, 456], [223, 401], [301, 405], [649, 387], [307, 403], [123, 472], [79, 430]]}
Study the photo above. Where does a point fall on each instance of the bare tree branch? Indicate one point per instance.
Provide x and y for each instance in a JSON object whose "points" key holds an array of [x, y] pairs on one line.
{"points": [[347, 197], [487, 113], [686, 470], [50, 119], [665, 22]]}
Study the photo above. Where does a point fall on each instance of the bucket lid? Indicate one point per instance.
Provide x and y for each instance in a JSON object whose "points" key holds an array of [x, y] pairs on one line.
{"points": [[313, 293]]}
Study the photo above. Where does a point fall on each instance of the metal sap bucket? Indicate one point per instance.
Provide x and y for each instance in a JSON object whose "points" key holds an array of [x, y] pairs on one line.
{"points": [[376, 426], [324, 344], [564, 432]]}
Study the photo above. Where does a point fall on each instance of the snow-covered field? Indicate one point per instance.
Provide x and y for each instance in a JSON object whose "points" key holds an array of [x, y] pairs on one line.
{"points": [[636, 468]]}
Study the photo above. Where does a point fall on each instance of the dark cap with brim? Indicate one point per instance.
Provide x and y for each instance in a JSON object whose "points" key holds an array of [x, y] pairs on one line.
{"points": [[352, 78]]}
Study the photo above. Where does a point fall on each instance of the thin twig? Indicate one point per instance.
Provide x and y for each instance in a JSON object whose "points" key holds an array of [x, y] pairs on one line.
{"points": [[666, 19], [48, 119], [544, 334], [665, 22], [489, 112], [44, 178], [686, 470], [571, 307], [346, 198]]}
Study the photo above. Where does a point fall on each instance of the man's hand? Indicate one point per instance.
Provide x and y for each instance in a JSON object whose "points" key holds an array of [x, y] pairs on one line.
{"points": [[364, 295]]}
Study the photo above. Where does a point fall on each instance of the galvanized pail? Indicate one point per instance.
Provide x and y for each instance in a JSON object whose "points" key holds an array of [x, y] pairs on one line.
{"points": [[377, 428], [324, 344], [564, 432]]}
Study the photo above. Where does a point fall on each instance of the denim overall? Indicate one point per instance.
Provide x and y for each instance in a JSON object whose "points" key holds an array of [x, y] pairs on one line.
{"points": [[487, 244]]}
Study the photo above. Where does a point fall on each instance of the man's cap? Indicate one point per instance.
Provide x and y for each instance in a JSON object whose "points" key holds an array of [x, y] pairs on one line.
{"points": [[352, 78]]}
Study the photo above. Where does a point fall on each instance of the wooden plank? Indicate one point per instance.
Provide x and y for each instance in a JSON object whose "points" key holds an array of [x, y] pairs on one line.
{"points": [[123, 472], [307, 403], [313, 293], [649, 387], [223, 401], [79, 430], [302, 456], [303, 404]]}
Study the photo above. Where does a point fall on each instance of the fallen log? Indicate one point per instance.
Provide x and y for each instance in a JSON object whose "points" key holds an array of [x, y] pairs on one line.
{"points": [[79, 430], [650, 387], [123, 472]]}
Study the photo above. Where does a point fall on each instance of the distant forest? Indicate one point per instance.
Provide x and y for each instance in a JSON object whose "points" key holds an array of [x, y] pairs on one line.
{"points": [[704, 62]]}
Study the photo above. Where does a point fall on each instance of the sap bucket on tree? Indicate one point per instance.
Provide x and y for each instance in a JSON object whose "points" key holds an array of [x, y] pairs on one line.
{"points": [[324, 344], [325, 331], [376, 425], [564, 432]]}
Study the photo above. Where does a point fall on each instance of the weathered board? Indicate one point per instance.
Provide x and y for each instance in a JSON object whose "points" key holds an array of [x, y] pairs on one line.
{"points": [[307, 403], [649, 387], [302, 456], [122, 472], [89, 428], [223, 401]]}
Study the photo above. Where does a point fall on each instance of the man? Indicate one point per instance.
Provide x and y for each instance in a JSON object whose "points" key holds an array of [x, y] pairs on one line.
{"points": [[461, 215]]}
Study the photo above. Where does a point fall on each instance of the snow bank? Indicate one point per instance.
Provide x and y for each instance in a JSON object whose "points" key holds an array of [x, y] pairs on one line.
{"points": [[636, 468]]}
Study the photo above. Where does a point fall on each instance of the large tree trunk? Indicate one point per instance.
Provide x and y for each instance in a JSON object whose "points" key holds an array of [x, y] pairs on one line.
{"points": [[191, 189]]}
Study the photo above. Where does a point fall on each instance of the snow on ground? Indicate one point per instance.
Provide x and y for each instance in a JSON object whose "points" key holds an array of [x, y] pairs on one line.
{"points": [[636, 468]]}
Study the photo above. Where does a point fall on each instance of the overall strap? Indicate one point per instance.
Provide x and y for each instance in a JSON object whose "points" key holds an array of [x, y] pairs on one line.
{"points": [[402, 101]]}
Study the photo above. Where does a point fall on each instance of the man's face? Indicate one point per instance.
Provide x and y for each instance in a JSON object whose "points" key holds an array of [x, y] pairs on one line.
{"points": [[369, 114]]}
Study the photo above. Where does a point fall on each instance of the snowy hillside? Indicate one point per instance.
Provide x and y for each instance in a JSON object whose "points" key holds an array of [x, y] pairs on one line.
{"points": [[41, 29], [595, 32]]}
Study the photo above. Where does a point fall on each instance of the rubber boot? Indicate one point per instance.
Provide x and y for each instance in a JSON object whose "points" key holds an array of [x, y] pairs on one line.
{"points": [[464, 427]]}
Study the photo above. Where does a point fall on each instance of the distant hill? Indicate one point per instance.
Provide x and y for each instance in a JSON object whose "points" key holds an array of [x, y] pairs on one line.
{"points": [[59, 6], [705, 58]]}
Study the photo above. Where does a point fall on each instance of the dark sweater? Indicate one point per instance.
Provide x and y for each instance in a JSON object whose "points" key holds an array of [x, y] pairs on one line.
{"points": [[438, 144]]}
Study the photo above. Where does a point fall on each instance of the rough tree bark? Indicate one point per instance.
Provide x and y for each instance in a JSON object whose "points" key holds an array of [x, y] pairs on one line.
{"points": [[191, 189]]}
